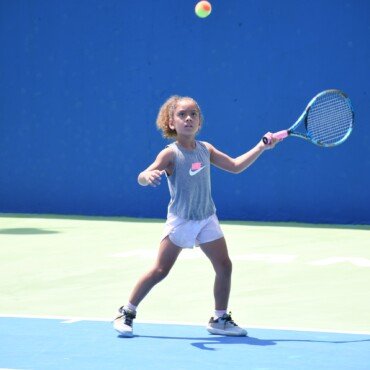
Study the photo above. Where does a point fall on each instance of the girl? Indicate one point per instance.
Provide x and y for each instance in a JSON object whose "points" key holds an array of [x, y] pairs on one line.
{"points": [[191, 218]]}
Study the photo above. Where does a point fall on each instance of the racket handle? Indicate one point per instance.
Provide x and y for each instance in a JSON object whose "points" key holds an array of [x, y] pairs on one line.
{"points": [[277, 135]]}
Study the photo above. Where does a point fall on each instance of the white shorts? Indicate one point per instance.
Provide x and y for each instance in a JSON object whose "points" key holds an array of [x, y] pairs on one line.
{"points": [[188, 233]]}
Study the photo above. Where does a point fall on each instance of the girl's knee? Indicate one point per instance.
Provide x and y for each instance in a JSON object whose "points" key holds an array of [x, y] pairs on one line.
{"points": [[224, 267], [159, 273], [228, 265]]}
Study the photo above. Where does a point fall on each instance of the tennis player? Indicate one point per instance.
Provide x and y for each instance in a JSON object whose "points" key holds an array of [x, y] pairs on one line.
{"points": [[191, 219]]}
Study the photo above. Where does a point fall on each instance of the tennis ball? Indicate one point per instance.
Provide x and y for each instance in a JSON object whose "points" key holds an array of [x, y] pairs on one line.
{"points": [[203, 9]]}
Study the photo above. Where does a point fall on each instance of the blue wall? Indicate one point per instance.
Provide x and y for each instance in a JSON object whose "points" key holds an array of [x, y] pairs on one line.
{"points": [[81, 83]]}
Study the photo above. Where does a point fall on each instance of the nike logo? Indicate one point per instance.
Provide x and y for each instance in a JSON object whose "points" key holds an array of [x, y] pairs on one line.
{"points": [[194, 172]]}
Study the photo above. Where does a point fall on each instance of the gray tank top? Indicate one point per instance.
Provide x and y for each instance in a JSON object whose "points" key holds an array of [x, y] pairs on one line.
{"points": [[190, 183]]}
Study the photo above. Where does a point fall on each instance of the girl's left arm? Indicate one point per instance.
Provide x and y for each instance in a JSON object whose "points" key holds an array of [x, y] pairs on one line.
{"points": [[239, 164]]}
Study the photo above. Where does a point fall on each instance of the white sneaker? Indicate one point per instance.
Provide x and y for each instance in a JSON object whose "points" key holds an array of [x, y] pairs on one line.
{"points": [[123, 323], [225, 326]]}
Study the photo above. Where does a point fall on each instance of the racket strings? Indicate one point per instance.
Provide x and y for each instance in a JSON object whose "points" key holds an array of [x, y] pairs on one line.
{"points": [[329, 119]]}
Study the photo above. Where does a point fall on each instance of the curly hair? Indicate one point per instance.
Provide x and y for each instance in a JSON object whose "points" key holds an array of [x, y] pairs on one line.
{"points": [[166, 112]]}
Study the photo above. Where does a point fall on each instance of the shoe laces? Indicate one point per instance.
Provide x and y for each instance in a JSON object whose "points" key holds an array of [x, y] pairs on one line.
{"points": [[127, 316], [228, 320]]}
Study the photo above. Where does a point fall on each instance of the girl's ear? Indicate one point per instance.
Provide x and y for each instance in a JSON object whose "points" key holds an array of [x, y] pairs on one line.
{"points": [[170, 124]]}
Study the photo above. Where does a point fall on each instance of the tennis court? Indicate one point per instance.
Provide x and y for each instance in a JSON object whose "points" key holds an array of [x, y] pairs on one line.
{"points": [[301, 291], [82, 84]]}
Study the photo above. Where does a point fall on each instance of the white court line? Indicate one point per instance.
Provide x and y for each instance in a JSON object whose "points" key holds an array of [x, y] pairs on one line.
{"points": [[356, 261], [192, 254], [74, 319]]}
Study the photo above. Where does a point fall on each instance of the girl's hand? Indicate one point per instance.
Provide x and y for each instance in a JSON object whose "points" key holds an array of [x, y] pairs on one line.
{"points": [[272, 141], [153, 178]]}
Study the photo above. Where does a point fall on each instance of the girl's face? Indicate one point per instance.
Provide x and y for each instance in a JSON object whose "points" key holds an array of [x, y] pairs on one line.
{"points": [[186, 118]]}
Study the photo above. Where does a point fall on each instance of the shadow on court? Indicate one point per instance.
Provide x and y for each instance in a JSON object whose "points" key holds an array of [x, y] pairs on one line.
{"points": [[204, 342], [27, 231]]}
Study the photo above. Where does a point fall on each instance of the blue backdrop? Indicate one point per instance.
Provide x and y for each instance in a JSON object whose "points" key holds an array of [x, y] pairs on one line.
{"points": [[81, 83]]}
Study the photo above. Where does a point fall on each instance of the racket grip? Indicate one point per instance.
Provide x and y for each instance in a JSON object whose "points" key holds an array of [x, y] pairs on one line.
{"points": [[277, 135]]}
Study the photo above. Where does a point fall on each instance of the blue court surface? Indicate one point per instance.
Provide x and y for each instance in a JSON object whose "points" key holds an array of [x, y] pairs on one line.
{"points": [[29, 343]]}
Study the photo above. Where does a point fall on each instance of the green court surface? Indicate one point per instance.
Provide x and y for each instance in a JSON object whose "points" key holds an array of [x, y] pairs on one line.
{"points": [[284, 275]]}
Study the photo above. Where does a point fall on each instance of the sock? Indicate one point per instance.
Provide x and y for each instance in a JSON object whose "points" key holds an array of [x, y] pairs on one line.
{"points": [[219, 313], [130, 307]]}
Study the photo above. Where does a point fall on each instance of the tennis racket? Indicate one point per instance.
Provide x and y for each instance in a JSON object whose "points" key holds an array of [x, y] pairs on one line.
{"points": [[327, 120]]}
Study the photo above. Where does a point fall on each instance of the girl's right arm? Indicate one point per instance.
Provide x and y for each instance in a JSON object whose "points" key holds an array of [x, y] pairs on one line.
{"points": [[152, 175]]}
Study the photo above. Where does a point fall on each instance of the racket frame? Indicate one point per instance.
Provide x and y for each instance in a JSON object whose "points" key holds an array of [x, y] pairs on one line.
{"points": [[303, 119]]}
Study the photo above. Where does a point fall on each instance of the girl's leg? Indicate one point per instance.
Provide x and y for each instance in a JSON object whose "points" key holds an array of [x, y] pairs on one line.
{"points": [[218, 254], [167, 256]]}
